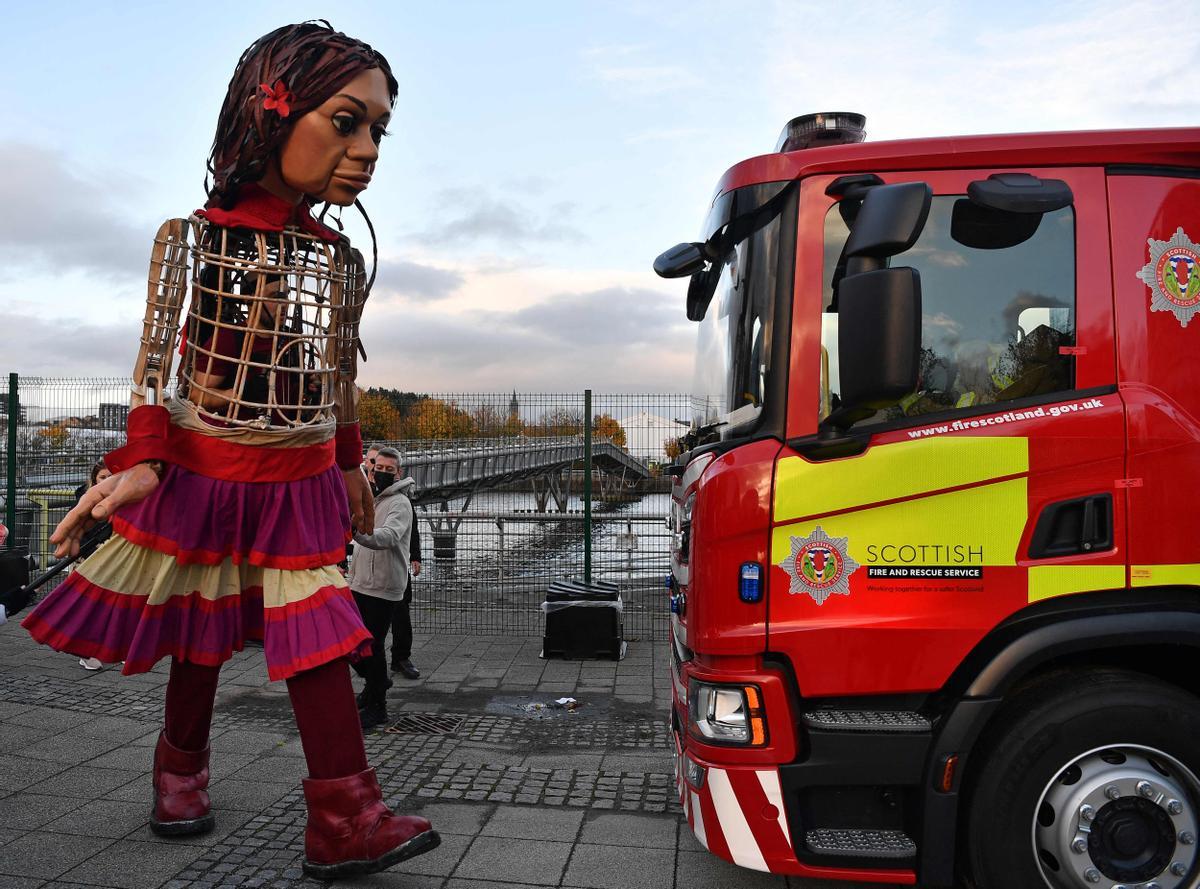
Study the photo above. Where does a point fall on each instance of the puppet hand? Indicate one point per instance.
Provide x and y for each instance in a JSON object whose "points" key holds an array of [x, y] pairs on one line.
{"points": [[362, 504], [99, 503]]}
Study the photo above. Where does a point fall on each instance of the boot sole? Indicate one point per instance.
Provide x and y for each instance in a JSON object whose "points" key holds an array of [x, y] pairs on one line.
{"points": [[418, 845], [183, 828]]}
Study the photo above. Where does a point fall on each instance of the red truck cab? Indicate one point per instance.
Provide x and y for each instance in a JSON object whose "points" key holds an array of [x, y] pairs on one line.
{"points": [[936, 607]]}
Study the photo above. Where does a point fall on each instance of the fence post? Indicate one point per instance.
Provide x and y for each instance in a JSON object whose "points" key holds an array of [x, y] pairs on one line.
{"points": [[10, 493], [587, 486]]}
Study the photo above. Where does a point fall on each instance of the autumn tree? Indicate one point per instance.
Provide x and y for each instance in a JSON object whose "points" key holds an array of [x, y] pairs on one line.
{"points": [[559, 422], [55, 435], [606, 427], [488, 420], [432, 418], [379, 419]]}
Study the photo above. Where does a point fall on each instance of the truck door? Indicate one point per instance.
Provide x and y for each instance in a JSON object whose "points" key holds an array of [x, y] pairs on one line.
{"points": [[1156, 270], [994, 486]]}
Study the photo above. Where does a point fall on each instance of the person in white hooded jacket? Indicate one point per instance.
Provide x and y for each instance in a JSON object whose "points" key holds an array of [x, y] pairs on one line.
{"points": [[379, 575]]}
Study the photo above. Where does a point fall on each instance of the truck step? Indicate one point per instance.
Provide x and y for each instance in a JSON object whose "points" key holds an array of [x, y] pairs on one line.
{"points": [[855, 843], [867, 721]]}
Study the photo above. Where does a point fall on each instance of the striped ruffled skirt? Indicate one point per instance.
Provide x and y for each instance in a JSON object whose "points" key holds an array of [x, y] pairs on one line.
{"points": [[202, 565]]}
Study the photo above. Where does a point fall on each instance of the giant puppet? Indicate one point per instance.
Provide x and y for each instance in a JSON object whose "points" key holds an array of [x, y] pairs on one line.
{"points": [[232, 501]]}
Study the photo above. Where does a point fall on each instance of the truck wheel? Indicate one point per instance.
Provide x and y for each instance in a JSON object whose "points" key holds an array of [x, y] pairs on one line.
{"points": [[1088, 782]]}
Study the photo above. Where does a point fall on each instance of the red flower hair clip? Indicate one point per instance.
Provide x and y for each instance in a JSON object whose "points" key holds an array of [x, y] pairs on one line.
{"points": [[277, 98]]}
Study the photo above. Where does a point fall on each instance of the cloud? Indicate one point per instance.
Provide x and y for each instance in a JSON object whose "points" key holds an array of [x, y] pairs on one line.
{"points": [[61, 347], [940, 71], [478, 217], [611, 339], [613, 316], [412, 280], [55, 219]]}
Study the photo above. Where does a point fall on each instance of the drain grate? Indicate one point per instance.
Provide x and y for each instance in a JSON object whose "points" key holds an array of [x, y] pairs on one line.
{"points": [[426, 724]]}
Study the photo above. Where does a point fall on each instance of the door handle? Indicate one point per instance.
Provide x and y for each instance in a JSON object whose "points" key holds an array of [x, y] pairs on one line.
{"points": [[1073, 527]]}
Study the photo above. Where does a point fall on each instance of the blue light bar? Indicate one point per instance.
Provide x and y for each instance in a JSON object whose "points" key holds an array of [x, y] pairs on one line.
{"points": [[750, 582]]}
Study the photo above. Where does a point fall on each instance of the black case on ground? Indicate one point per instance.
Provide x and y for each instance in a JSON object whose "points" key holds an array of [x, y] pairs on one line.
{"points": [[588, 623]]}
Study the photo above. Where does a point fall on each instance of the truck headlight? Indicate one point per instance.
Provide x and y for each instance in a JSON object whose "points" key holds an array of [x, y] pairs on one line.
{"points": [[727, 714]]}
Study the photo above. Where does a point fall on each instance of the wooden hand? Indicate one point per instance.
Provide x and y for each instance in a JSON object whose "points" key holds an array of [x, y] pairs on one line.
{"points": [[362, 504], [99, 503]]}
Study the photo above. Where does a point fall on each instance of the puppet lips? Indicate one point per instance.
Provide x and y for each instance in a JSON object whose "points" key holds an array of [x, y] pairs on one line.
{"points": [[358, 180]]}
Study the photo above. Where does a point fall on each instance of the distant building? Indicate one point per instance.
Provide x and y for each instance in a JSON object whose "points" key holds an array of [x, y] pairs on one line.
{"points": [[113, 416], [647, 435]]}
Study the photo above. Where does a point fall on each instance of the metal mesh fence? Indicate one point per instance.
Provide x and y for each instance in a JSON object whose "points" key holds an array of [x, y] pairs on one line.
{"points": [[499, 498]]}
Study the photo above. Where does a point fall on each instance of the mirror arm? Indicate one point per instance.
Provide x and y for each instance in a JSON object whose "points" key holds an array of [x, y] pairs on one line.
{"points": [[830, 443]]}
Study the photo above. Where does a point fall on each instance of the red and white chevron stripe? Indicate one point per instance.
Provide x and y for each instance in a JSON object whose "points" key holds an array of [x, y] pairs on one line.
{"points": [[738, 815]]}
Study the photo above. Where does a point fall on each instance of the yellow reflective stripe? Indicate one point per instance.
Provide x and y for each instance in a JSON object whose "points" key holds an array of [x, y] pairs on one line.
{"points": [[1165, 575], [893, 471], [989, 517], [1046, 581]]}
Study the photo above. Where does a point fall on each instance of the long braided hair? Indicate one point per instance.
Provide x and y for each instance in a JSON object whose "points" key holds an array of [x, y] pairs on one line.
{"points": [[313, 61]]}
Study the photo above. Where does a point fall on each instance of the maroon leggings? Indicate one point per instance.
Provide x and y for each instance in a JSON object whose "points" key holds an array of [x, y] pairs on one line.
{"points": [[322, 699]]}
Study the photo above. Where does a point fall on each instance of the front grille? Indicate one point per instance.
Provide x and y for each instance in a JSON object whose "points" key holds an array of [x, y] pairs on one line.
{"points": [[860, 843]]}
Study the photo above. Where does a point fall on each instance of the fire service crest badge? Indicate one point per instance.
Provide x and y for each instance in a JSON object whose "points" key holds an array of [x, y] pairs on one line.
{"points": [[819, 565], [1173, 276]]}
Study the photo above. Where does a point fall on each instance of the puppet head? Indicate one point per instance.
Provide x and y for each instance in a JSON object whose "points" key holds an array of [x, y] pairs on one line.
{"points": [[303, 115]]}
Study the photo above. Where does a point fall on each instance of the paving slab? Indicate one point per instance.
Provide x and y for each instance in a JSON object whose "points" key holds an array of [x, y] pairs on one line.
{"points": [[70, 749], [456, 818], [20, 772], [155, 864], [530, 862], [85, 781], [534, 824], [705, 869], [29, 811], [440, 862], [613, 867], [250, 796], [48, 855], [630, 831]]}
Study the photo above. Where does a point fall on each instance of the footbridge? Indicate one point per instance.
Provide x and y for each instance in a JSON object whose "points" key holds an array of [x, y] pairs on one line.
{"points": [[450, 470]]}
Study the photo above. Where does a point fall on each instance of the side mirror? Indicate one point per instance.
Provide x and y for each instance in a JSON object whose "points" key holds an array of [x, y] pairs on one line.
{"points": [[680, 261], [890, 221], [879, 341]]}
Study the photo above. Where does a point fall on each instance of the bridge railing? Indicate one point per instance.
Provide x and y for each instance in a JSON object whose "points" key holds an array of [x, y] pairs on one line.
{"points": [[516, 532]]}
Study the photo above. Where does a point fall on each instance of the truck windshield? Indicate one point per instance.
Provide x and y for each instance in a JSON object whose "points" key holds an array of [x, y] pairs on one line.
{"points": [[734, 342]]}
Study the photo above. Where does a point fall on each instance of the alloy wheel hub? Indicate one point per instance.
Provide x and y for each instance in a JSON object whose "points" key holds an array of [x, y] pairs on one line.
{"points": [[1119, 817]]}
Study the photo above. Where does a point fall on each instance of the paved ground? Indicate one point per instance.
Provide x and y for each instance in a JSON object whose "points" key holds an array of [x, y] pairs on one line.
{"points": [[521, 798]]}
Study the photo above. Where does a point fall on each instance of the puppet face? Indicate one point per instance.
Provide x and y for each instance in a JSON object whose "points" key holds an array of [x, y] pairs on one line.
{"points": [[331, 151]]}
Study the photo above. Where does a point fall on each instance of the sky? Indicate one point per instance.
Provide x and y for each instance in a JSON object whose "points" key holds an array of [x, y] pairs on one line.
{"points": [[543, 153]]}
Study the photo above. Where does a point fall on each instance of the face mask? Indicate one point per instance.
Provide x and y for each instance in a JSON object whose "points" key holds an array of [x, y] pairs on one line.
{"points": [[384, 480]]}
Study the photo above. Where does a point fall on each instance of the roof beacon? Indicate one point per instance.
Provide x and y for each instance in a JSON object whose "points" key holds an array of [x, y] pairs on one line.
{"points": [[819, 130]]}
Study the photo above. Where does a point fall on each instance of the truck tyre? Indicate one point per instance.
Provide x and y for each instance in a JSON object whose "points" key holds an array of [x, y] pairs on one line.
{"points": [[1086, 781]]}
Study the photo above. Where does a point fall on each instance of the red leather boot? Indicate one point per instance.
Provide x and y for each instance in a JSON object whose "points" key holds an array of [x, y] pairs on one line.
{"points": [[350, 830], [181, 806]]}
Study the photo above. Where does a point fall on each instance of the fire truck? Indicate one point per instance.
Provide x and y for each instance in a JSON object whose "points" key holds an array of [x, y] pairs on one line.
{"points": [[935, 598]]}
